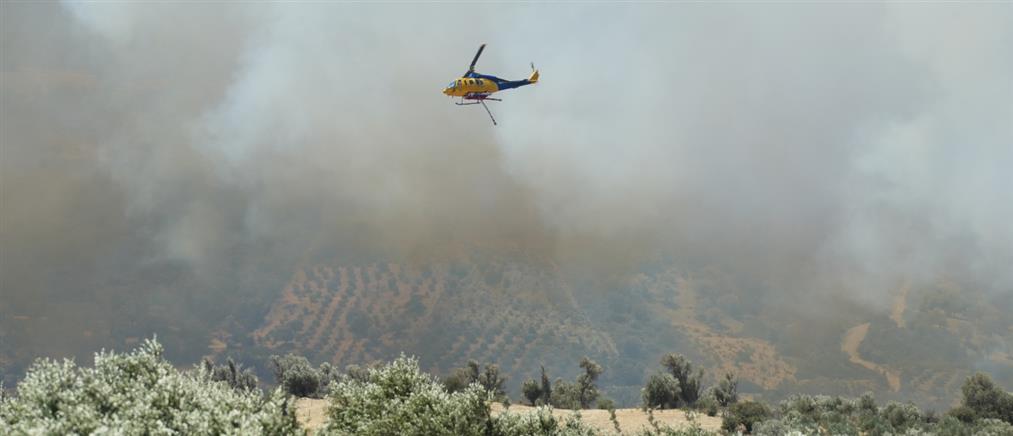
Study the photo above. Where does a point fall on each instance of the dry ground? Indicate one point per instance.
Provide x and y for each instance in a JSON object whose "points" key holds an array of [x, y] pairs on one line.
{"points": [[312, 413], [849, 345]]}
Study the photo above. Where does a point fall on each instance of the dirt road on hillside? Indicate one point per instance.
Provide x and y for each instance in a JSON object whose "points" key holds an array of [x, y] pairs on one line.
{"points": [[852, 340]]}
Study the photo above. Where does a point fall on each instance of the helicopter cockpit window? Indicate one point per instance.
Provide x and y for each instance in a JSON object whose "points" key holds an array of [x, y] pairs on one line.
{"points": [[452, 85]]}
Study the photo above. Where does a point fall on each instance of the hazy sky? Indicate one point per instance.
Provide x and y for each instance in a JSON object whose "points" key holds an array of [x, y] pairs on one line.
{"points": [[835, 147]]}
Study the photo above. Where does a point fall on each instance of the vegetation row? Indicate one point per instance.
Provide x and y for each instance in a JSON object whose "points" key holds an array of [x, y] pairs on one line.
{"points": [[141, 393]]}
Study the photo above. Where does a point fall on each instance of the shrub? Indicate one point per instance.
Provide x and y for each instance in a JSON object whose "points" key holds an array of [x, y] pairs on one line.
{"points": [[586, 387], [531, 390], [661, 392], [963, 413], [901, 416], [138, 393], [296, 376], [708, 403], [490, 379], [231, 373], [664, 430], [690, 383], [745, 413], [400, 399], [727, 390], [546, 387], [355, 372], [986, 399], [541, 422], [565, 395]]}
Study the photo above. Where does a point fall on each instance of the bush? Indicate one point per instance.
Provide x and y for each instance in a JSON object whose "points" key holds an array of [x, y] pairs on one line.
{"points": [[546, 388], [531, 390], [399, 399], [690, 383], [355, 372], [231, 373], [565, 395], [727, 391], [541, 422], [296, 376], [138, 393], [661, 392], [986, 400], [587, 389], [708, 403], [745, 413], [901, 416], [490, 379]]}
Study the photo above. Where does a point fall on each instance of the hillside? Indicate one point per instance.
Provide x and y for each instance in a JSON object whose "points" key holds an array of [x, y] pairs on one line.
{"points": [[523, 315]]}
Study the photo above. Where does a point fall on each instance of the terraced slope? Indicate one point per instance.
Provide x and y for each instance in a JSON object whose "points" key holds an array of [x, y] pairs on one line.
{"points": [[446, 314], [522, 315]]}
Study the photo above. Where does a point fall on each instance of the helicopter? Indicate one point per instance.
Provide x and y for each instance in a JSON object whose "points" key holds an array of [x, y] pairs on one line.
{"points": [[475, 88]]}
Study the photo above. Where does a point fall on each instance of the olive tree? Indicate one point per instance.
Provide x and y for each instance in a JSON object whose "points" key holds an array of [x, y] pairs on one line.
{"points": [[138, 393]]}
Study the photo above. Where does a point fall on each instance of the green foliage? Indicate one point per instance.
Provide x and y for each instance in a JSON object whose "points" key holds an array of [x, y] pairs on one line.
{"points": [[746, 414], [727, 390], [963, 413], [490, 379], [708, 403], [296, 376], [587, 389], [805, 414], [661, 391], [400, 399], [541, 422], [546, 387], [531, 390], [355, 372], [901, 416], [565, 395], [986, 400], [690, 383], [657, 429], [138, 393], [231, 373]]}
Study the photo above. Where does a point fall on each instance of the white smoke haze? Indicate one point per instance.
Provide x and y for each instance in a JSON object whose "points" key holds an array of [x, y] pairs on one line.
{"points": [[822, 148]]}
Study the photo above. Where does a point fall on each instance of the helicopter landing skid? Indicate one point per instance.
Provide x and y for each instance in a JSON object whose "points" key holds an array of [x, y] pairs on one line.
{"points": [[480, 101]]}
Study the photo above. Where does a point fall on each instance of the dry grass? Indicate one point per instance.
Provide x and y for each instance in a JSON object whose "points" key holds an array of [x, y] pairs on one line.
{"points": [[312, 414], [630, 420]]}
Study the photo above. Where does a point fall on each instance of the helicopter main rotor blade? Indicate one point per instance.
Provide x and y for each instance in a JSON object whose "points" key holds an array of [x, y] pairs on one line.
{"points": [[471, 68]]}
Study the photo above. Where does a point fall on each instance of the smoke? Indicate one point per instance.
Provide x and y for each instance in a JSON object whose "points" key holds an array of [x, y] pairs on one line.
{"points": [[820, 148]]}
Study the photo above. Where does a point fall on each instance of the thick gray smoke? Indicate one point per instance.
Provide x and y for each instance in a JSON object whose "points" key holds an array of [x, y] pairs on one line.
{"points": [[830, 148]]}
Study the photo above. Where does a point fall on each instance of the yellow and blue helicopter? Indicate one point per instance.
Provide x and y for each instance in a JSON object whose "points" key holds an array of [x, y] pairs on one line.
{"points": [[475, 88]]}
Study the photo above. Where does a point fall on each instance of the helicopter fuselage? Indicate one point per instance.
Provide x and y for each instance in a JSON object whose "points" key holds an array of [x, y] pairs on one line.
{"points": [[481, 84]]}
